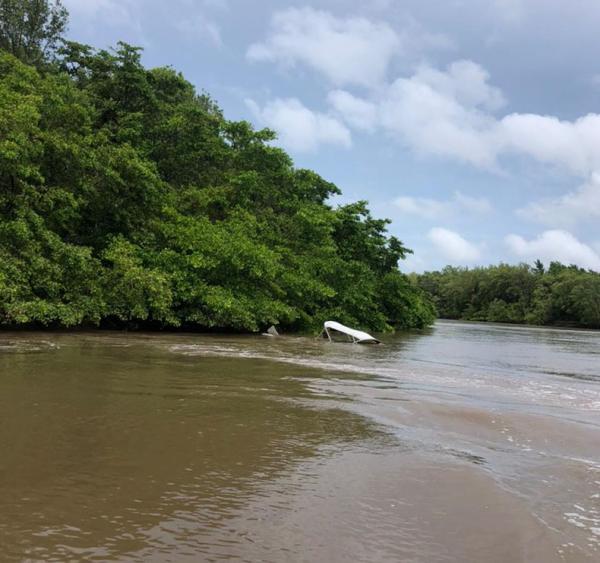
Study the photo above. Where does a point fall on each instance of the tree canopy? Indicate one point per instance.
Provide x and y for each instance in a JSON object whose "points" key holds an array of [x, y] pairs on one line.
{"points": [[32, 29], [126, 197], [560, 295]]}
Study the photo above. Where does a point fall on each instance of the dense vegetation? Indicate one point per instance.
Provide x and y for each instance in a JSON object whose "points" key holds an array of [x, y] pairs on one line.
{"points": [[560, 295], [126, 197]]}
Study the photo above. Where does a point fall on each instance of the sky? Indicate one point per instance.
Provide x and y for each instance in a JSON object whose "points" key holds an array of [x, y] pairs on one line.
{"points": [[473, 125]]}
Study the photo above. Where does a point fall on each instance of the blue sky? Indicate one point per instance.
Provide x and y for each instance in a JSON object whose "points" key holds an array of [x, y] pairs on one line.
{"points": [[474, 125]]}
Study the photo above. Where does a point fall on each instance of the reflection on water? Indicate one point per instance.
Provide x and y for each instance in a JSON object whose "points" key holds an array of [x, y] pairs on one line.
{"points": [[467, 442], [104, 442]]}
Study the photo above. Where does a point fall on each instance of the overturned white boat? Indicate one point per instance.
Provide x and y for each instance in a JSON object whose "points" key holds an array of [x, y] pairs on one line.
{"points": [[333, 328]]}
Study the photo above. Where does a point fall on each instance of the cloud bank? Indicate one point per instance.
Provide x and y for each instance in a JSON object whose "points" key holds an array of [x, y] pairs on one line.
{"points": [[344, 50], [555, 245], [452, 113]]}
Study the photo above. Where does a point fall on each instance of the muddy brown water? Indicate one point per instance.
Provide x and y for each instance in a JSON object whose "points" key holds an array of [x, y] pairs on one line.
{"points": [[466, 442]]}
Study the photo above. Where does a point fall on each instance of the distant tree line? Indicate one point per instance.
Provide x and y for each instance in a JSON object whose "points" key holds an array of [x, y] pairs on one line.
{"points": [[559, 295], [126, 197]]}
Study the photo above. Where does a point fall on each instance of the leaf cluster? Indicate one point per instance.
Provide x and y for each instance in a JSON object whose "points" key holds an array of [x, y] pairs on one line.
{"points": [[560, 295], [32, 29], [126, 197]]}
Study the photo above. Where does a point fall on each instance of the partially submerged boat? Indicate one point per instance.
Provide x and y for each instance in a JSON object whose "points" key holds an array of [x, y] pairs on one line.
{"points": [[333, 328]]}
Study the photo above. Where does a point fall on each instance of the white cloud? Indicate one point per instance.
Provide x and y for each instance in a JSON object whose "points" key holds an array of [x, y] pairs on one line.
{"points": [[346, 51], [444, 113], [555, 245], [437, 209], [453, 246], [573, 145], [463, 81], [430, 122], [451, 113], [359, 113], [569, 209], [299, 128]]}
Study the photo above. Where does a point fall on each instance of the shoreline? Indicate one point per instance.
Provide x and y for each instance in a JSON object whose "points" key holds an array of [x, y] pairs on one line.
{"points": [[83, 329], [525, 325]]}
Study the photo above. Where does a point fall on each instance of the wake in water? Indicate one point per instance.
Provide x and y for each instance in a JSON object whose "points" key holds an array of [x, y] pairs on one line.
{"points": [[522, 404], [518, 369], [467, 442]]}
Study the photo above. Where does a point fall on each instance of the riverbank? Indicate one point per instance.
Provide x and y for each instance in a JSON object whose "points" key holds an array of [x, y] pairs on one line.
{"points": [[557, 326]]}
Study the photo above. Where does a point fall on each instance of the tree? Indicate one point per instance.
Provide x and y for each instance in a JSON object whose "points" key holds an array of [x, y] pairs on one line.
{"points": [[32, 29], [560, 295], [539, 267], [127, 198]]}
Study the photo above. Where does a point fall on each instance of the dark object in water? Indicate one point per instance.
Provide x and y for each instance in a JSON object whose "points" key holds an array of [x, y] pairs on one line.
{"points": [[271, 331]]}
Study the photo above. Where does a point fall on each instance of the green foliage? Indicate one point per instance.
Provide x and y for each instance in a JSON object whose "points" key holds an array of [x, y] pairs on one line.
{"points": [[43, 279], [517, 294], [32, 29], [126, 197], [132, 290]]}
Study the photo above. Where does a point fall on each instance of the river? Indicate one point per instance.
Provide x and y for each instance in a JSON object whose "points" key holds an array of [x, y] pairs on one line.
{"points": [[466, 442]]}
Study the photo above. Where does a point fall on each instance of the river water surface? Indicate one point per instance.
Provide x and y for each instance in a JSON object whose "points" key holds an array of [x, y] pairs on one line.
{"points": [[467, 442]]}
